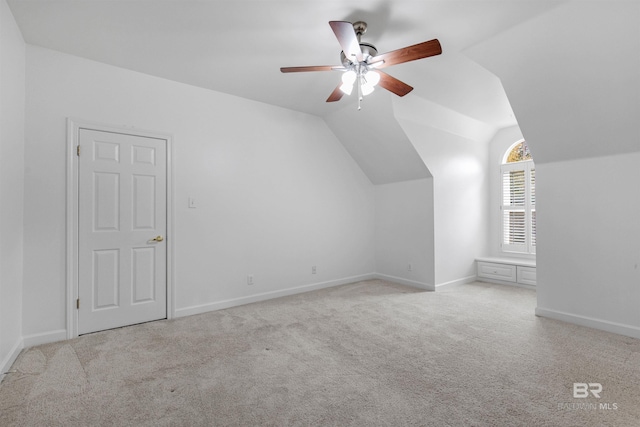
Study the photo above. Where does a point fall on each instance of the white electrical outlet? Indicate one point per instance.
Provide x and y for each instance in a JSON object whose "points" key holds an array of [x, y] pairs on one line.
{"points": [[250, 279], [409, 267], [313, 269], [192, 203]]}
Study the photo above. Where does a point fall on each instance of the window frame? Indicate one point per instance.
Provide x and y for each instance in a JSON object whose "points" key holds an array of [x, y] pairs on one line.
{"points": [[528, 207]]}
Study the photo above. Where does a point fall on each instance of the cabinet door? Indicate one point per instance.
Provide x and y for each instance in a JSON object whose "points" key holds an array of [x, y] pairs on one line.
{"points": [[527, 275], [490, 270]]}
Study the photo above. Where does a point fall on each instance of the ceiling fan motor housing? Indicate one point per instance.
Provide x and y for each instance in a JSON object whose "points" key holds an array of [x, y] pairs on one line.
{"points": [[368, 50]]}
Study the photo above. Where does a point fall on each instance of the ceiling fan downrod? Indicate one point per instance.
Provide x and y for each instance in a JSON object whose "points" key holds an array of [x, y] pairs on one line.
{"points": [[359, 91], [360, 27]]}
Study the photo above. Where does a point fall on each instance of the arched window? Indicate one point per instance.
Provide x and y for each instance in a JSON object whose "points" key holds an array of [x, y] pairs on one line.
{"points": [[518, 200], [518, 152]]}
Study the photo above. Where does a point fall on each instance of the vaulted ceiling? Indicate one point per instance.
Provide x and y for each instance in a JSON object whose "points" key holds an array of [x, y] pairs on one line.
{"points": [[238, 47]]}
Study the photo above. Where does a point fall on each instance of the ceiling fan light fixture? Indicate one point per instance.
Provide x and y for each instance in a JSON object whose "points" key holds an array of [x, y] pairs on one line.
{"points": [[348, 77], [371, 78], [346, 88], [367, 89]]}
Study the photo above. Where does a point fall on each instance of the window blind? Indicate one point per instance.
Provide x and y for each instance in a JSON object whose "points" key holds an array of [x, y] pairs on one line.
{"points": [[532, 187], [518, 207]]}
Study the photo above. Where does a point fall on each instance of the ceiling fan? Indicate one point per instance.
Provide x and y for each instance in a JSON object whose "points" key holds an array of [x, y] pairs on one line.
{"points": [[361, 62]]}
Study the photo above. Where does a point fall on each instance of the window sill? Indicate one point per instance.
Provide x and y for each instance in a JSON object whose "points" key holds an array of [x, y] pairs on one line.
{"points": [[510, 261]]}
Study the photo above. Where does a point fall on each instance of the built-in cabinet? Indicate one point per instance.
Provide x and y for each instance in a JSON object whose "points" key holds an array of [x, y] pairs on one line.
{"points": [[526, 275], [512, 271]]}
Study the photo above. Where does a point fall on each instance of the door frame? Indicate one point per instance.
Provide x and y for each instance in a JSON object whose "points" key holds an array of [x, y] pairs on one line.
{"points": [[72, 212]]}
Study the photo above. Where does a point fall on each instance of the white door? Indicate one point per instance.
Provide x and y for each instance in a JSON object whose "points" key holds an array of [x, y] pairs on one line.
{"points": [[122, 218]]}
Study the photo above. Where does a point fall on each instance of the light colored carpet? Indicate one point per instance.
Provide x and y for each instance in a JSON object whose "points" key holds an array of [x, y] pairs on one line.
{"points": [[365, 354]]}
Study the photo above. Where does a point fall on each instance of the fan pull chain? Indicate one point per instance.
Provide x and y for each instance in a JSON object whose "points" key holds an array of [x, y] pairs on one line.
{"points": [[359, 88]]}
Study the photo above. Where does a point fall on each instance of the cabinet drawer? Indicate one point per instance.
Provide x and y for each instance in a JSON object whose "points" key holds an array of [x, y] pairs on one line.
{"points": [[497, 271], [527, 275]]}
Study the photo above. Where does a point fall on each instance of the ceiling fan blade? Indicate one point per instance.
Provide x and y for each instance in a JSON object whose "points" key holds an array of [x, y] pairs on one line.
{"points": [[348, 39], [336, 95], [392, 84], [406, 54], [311, 68]]}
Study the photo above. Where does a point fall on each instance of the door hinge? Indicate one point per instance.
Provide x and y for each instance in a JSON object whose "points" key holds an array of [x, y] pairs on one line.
{"points": [[78, 304], [78, 150]]}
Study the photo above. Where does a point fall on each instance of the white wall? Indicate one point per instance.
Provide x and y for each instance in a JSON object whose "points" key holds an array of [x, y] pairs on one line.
{"points": [[12, 84], [276, 191], [458, 165], [404, 232], [573, 78], [589, 241]]}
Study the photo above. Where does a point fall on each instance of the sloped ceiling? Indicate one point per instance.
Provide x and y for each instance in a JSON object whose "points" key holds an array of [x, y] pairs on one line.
{"points": [[576, 89], [238, 46], [380, 147]]}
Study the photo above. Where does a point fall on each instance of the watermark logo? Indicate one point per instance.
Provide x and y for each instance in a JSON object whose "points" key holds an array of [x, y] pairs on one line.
{"points": [[581, 390]]}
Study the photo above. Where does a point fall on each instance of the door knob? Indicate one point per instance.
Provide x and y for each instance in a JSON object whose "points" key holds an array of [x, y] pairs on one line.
{"points": [[158, 239]]}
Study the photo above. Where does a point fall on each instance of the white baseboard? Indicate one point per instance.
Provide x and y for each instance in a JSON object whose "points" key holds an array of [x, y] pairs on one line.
{"points": [[234, 302], [590, 322], [456, 282], [45, 337], [400, 280], [5, 365]]}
